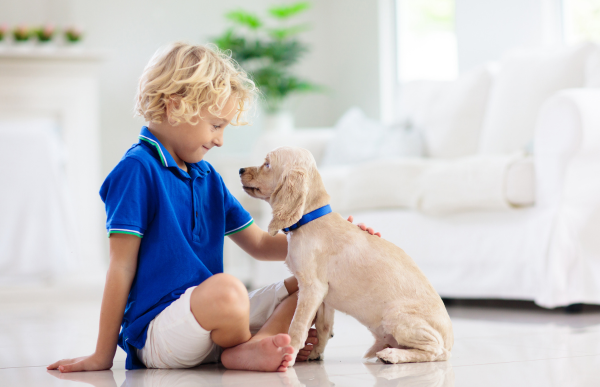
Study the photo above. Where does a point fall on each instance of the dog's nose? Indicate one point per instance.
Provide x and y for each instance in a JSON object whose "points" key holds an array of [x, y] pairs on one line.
{"points": [[242, 170]]}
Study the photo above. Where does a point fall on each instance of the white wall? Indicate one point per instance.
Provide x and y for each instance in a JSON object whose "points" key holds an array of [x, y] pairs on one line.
{"points": [[343, 54], [345, 58]]}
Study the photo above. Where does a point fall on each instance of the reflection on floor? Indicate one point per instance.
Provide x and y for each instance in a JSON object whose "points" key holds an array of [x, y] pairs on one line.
{"points": [[493, 347]]}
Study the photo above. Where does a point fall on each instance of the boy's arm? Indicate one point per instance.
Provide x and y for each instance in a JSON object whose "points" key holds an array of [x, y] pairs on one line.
{"points": [[260, 245], [123, 263]]}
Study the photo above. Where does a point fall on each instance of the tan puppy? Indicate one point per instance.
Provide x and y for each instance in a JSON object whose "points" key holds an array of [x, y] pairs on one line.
{"points": [[338, 266]]}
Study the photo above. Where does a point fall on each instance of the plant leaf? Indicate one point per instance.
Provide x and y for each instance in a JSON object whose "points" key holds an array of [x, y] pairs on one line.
{"points": [[285, 53], [241, 49], [245, 19], [286, 11], [287, 32]]}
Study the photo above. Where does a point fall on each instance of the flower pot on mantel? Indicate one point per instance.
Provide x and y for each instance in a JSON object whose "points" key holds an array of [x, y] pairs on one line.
{"points": [[281, 122]]}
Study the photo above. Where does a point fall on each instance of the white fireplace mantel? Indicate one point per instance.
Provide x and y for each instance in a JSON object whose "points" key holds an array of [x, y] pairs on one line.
{"points": [[62, 84]]}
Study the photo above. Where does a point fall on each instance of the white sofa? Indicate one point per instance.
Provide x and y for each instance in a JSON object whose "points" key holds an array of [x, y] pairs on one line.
{"points": [[529, 229]]}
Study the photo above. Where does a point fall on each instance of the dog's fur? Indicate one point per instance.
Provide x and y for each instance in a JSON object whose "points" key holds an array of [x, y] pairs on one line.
{"points": [[339, 266]]}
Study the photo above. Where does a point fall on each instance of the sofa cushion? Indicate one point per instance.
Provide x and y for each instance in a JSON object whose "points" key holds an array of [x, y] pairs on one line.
{"points": [[433, 186], [478, 182], [450, 114], [520, 182], [526, 79], [376, 184], [358, 139]]}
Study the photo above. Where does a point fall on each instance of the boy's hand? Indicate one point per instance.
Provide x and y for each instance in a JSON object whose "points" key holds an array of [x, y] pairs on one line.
{"points": [[84, 363], [364, 227], [311, 341]]}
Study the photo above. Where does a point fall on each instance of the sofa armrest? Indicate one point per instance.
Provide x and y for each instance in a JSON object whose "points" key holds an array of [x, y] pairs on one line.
{"points": [[567, 149], [567, 162], [313, 139]]}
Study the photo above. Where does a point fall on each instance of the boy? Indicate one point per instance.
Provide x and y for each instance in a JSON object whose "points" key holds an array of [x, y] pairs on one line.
{"points": [[167, 214]]}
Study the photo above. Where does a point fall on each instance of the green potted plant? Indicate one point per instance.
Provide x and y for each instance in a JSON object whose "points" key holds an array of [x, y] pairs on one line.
{"points": [[3, 31], [73, 34], [21, 33], [268, 50], [45, 33]]}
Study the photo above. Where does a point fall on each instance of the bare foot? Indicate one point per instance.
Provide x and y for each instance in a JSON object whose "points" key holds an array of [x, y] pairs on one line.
{"points": [[269, 354]]}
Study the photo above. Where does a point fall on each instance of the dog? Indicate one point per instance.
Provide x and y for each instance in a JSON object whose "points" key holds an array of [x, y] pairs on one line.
{"points": [[339, 266]]}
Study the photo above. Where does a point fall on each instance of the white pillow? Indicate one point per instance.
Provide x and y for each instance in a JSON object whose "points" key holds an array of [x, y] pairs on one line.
{"points": [[400, 141], [450, 114], [526, 79], [358, 139]]}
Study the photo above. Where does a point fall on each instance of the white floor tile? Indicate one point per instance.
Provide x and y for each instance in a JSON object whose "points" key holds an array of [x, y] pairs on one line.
{"points": [[493, 347], [581, 371]]}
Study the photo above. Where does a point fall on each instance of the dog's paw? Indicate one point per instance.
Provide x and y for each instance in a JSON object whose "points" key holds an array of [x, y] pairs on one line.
{"points": [[315, 355], [388, 356]]}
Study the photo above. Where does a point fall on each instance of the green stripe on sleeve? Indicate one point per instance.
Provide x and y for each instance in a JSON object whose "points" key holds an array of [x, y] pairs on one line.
{"points": [[124, 232], [241, 229]]}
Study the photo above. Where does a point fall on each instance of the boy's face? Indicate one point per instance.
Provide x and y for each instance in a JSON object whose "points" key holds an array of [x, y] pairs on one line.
{"points": [[191, 142]]}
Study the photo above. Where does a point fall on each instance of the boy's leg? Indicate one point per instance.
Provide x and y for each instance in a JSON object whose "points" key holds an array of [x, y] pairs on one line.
{"points": [[278, 323], [221, 305]]}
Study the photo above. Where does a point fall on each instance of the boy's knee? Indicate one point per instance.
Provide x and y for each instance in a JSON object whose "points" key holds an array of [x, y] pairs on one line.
{"points": [[220, 298], [230, 294]]}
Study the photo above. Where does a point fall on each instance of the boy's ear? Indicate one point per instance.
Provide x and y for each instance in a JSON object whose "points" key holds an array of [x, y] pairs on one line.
{"points": [[288, 200], [173, 102]]}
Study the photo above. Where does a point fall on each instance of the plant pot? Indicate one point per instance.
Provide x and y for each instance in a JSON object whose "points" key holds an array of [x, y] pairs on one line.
{"points": [[280, 122]]}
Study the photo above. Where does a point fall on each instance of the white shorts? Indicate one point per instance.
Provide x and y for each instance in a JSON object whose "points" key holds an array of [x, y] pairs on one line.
{"points": [[176, 340]]}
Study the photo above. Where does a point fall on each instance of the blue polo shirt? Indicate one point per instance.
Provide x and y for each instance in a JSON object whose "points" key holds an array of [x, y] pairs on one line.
{"points": [[182, 218]]}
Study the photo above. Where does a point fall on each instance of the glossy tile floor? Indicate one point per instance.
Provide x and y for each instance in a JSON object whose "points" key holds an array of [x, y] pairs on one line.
{"points": [[493, 347]]}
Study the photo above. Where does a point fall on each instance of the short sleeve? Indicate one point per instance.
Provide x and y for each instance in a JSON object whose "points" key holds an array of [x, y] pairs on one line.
{"points": [[128, 198], [236, 217]]}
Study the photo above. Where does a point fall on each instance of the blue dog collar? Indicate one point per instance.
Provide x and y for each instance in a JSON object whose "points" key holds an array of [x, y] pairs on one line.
{"points": [[309, 217]]}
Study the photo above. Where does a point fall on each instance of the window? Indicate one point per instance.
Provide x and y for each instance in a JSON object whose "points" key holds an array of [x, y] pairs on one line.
{"points": [[581, 20], [426, 40]]}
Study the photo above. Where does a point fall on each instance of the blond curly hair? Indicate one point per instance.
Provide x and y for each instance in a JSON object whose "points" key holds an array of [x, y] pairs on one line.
{"points": [[192, 77]]}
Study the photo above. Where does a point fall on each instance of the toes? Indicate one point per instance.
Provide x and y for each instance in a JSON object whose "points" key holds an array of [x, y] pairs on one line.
{"points": [[287, 349], [287, 357], [281, 340], [312, 332], [282, 368], [312, 340]]}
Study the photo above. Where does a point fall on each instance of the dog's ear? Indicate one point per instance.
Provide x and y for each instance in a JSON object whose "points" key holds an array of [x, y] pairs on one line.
{"points": [[288, 199]]}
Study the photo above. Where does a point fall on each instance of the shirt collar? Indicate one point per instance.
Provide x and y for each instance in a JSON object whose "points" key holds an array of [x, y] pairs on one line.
{"points": [[163, 154], [165, 157]]}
